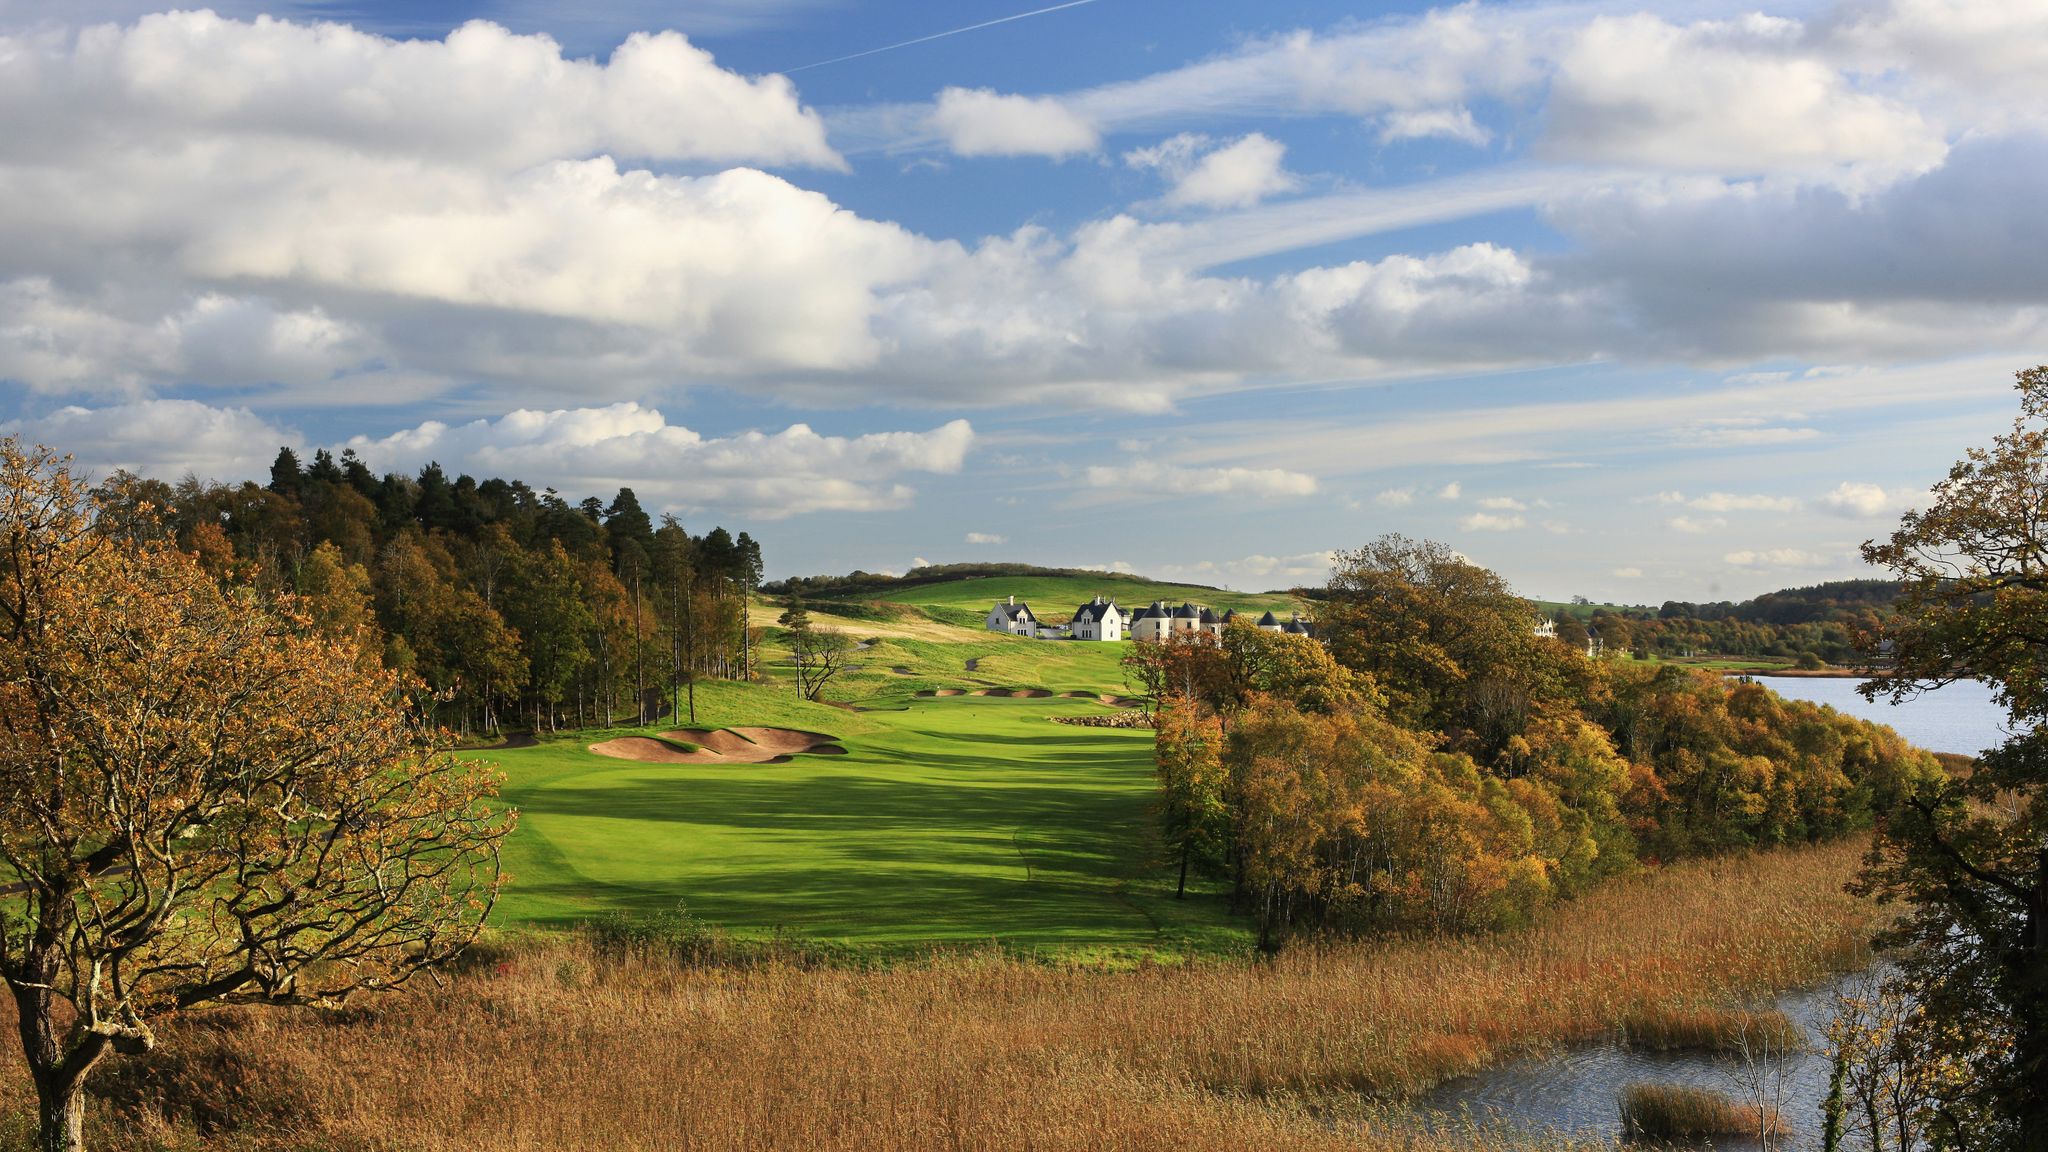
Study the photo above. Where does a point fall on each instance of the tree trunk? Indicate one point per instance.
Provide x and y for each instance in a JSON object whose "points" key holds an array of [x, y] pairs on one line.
{"points": [[59, 1075], [60, 1114], [1181, 890]]}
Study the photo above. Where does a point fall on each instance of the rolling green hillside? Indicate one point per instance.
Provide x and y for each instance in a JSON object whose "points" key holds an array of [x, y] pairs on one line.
{"points": [[1054, 598]]}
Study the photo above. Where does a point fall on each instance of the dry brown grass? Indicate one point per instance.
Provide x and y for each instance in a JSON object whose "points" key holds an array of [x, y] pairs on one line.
{"points": [[1677, 1112], [555, 1046], [1708, 1027]]}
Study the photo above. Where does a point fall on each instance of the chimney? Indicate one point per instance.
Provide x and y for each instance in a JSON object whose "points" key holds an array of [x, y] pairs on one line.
{"points": [[1013, 601]]}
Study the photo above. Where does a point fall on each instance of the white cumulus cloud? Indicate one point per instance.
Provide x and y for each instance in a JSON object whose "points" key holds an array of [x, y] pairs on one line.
{"points": [[1866, 501], [986, 538], [1748, 95], [767, 475], [1147, 478], [1735, 502], [1696, 525], [1423, 123], [1257, 570], [983, 122], [160, 438], [482, 93], [1490, 522], [1206, 175], [1777, 558]]}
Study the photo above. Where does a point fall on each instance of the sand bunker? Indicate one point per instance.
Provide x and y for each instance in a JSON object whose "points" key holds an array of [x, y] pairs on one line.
{"points": [[1012, 693], [942, 692], [1104, 698], [720, 746]]}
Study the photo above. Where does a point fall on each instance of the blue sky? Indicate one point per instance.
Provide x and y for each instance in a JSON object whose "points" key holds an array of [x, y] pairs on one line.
{"points": [[1630, 301]]}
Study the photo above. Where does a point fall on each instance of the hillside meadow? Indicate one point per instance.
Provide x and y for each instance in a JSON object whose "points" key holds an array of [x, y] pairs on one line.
{"points": [[1054, 598], [561, 1041]]}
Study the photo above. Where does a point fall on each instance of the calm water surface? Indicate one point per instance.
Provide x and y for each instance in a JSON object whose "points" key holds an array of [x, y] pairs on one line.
{"points": [[1577, 1092], [1959, 718]]}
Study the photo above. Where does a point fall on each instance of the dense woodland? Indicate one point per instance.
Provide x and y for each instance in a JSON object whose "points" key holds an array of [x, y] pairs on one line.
{"points": [[1832, 622], [514, 607], [1437, 766]]}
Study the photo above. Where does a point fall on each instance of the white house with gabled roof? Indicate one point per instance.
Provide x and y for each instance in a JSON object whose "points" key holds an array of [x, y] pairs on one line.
{"points": [[1098, 619], [1012, 617]]}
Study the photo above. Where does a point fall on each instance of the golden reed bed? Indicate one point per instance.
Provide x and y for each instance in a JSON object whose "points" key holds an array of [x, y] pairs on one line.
{"points": [[556, 1047]]}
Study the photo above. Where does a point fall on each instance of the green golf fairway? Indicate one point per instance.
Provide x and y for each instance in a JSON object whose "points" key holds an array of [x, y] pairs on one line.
{"points": [[948, 820]]}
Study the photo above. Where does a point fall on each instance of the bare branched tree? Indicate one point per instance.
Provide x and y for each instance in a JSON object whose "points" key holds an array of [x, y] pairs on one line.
{"points": [[1763, 1071], [817, 655], [203, 799]]}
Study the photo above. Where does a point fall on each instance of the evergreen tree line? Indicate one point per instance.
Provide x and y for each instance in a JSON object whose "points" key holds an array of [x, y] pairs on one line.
{"points": [[514, 607]]}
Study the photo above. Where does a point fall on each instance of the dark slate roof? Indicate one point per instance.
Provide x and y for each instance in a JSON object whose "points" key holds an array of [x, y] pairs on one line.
{"points": [[1147, 613], [1230, 615], [1267, 621], [1209, 617], [1094, 610], [1298, 628], [1016, 612], [1186, 612]]}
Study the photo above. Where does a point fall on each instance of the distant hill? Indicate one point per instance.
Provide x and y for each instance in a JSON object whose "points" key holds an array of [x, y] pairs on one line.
{"points": [[1833, 621], [1810, 604], [1053, 593]]}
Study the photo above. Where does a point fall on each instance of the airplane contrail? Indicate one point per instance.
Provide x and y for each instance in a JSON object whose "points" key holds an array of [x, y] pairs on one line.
{"points": [[941, 35]]}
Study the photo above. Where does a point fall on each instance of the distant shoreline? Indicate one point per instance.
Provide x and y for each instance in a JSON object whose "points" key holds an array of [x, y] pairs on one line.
{"points": [[1802, 673]]}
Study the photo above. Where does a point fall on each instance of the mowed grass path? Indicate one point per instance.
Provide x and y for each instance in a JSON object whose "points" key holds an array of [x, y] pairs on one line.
{"points": [[950, 820]]}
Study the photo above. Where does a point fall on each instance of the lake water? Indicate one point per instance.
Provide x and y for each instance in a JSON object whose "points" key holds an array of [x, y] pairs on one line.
{"points": [[1577, 1092], [1959, 718]]}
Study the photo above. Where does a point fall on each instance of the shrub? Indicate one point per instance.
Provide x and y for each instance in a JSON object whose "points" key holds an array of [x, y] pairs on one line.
{"points": [[674, 934]]}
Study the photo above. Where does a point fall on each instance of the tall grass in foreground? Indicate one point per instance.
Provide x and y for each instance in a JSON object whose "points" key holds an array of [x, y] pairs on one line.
{"points": [[559, 1045]]}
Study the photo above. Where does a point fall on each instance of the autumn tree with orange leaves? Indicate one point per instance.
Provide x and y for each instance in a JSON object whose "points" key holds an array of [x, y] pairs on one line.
{"points": [[205, 797], [1969, 855]]}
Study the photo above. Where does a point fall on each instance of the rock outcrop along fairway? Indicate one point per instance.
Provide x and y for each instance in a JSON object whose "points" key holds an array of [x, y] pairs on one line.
{"points": [[720, 746]]}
